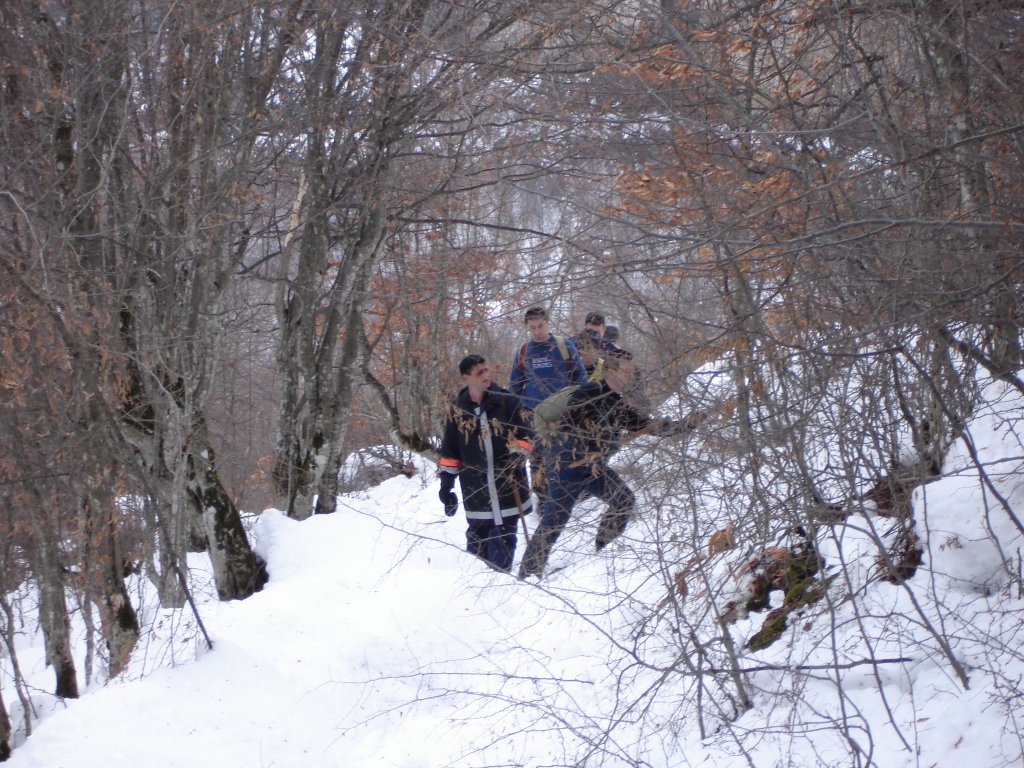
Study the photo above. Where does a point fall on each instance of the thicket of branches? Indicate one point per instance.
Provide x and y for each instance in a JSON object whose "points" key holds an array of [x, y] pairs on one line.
{"points": [[243, 240]]}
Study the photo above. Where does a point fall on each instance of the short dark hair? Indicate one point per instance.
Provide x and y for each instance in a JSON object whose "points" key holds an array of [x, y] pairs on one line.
{"points": [[616, 356], [535, 313], [469, 362], [594, 318], [611, 333]]}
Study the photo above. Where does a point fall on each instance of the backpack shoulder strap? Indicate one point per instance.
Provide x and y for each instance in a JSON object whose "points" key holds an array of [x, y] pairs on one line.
{"points": [[522, 357], [562, 349]]}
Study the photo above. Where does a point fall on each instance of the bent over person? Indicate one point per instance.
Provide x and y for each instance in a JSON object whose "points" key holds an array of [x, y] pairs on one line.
{"points": [[484, 440], [576, 460]]}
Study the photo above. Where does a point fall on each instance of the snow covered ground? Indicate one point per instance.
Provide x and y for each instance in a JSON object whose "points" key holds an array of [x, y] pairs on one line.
{"points": [[379, 642]]}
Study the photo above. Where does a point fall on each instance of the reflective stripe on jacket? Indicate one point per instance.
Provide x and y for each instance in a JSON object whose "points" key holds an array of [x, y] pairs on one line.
{"points": [[475, 446]]}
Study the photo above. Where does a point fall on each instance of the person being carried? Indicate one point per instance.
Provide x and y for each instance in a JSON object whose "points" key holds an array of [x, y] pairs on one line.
{"points": [[637, 393], [592, 345], [484, 443], [576, 460]]}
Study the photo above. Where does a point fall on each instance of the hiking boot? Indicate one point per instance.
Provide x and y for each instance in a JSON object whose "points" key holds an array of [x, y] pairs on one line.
{"points": [[527, 575], [612, 524]]}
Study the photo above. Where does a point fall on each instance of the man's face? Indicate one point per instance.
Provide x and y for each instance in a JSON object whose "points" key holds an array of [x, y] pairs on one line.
{"points": [[598, 329], [479, 377], [538, 328], [620, 377]]}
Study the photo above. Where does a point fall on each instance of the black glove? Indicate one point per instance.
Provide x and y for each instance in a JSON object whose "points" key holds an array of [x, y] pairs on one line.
{"points": [[690, 423], [451, 503], [695, 419]]}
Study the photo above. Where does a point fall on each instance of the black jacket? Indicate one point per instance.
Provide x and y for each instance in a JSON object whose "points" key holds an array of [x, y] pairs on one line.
{"points": [[475, 446], [593, 424]]}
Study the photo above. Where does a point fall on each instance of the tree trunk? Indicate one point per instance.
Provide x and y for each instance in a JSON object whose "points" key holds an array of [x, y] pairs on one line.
{"points": [[304, 351], [53, 617], [5, 730], [361, 264], [947, 44], [14, 675], [348, 370], [238, 571], [118, 619], [311, 441]]}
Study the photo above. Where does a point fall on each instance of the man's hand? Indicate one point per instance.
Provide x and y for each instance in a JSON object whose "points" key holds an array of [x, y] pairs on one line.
{"points": [[451, 503], [695, 419], [690, 423], [447, 497], [519, 447]]}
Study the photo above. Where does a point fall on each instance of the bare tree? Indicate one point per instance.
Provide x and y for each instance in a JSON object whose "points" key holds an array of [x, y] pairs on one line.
{"points": [[412, 86]]}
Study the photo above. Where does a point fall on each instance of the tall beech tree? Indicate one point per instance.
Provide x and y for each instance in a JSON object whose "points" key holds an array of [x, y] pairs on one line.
{"points": [[126, 217]]}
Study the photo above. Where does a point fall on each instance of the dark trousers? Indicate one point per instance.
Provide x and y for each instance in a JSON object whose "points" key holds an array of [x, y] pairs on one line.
{"points": [[566, 486], [495, 544]]}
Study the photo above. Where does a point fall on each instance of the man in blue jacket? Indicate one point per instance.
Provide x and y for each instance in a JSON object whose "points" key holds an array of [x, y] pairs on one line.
{"points": [[543, 365], [485, 438], [576, 463]]}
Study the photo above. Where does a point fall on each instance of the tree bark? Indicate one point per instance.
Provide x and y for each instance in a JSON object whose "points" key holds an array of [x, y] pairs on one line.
{"points": [[53, 615], [105, 572], [238, 571], [946, 41], [5, 731]]}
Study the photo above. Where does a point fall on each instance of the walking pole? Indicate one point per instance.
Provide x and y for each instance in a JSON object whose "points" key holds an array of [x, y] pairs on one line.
{"points": [[522, 515]]}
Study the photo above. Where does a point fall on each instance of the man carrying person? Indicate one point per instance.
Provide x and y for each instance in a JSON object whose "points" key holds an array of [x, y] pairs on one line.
{"points": [[485, 437], [576, 461], [594, 323], [637, 393]]}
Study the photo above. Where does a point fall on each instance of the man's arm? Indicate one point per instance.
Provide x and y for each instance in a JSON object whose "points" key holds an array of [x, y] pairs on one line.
{"points": [[629, 419], [451, 454], [449, 466], [637, 424]]}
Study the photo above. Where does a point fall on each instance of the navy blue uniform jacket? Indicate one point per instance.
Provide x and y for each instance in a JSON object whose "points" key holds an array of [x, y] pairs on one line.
{"points": [[475, 446]]}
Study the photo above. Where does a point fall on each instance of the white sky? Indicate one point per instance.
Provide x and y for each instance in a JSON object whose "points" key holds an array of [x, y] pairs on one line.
{"points": [[379, 642]]}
